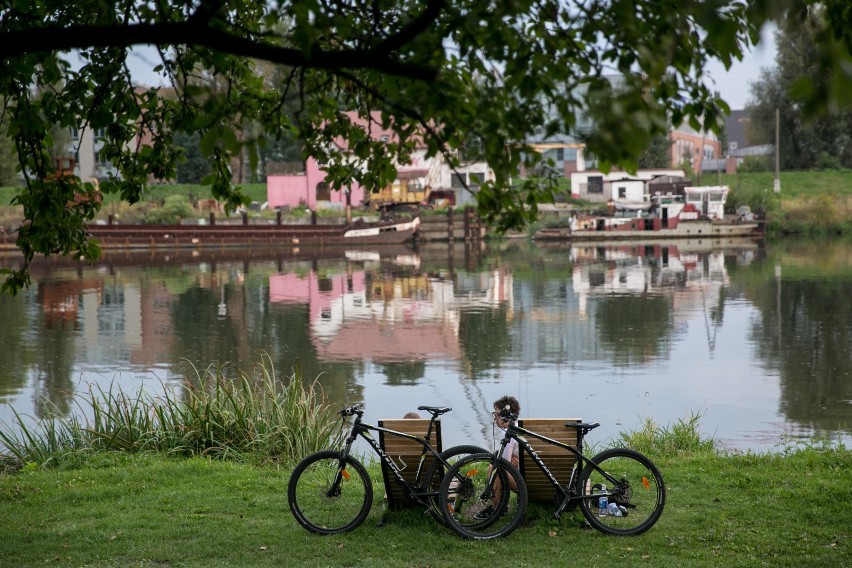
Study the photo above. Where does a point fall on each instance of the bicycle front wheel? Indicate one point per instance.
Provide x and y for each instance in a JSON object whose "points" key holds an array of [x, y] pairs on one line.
{"points": [[480, 505], [633, 484], [328, 494]]}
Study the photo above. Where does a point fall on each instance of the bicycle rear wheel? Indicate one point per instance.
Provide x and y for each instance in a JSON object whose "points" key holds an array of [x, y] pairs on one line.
{"points": [[436, 472], [329, 495], [633, 483], [479, 505]]}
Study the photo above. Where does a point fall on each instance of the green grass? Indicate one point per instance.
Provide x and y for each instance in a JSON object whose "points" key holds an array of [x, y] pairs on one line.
{"points": [[789, 509], [811, 203], [254, 191], [114, 505]]}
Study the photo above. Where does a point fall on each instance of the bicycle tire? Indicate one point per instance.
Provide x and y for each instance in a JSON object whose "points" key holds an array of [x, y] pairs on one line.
{"points": [[639, 491], [321, 508], [436, 471], [465, 496]]}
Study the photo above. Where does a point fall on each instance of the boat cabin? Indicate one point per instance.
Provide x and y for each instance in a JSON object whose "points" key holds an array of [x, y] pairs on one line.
{"points": [[707, 200]]}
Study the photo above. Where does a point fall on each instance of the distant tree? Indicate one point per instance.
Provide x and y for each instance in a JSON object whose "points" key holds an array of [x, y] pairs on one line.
{"points": [[194, 166], [434, 72], [283, 149], [658, 154], [806, 140], [8, 161]]}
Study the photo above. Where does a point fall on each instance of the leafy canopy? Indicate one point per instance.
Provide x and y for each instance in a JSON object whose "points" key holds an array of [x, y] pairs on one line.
{"points": [[491, 71], [794, 88]]}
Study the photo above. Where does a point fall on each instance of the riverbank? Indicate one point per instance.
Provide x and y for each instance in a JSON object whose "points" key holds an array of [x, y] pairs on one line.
{"points": [[809, 203], [786, 509]]}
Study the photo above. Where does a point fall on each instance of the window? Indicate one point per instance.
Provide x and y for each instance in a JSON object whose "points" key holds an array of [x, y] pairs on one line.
{"points": [[596, 184], [622, 192], [560, 154], [323, 192]]}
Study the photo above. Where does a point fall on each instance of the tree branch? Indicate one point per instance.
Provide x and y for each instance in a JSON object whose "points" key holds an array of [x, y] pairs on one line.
{"points": [[48, 39], [412, 29]]}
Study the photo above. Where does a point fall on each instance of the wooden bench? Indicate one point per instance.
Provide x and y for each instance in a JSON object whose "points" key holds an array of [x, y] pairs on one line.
{"points": [[405, 453], [558, 460]]}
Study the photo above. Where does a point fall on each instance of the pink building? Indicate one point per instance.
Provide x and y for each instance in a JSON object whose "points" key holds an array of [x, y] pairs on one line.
{"points": [[307, 188]]}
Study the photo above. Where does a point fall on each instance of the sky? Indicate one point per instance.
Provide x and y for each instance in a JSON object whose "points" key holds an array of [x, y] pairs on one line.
{"points": [[733, 84]]}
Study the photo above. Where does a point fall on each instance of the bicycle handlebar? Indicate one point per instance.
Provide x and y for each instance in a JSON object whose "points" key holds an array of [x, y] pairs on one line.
{"points": [[352, 409]]}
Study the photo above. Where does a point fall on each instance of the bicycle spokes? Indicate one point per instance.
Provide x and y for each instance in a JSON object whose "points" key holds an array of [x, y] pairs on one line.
{"points": [[634, 491]]}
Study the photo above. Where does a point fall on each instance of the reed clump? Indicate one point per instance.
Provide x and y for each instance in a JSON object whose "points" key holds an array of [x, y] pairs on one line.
{"points": [[679, 438], [243, 416]]}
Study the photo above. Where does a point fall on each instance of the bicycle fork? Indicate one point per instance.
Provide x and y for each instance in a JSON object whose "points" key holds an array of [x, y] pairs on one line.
{"points": [[334, 488]]}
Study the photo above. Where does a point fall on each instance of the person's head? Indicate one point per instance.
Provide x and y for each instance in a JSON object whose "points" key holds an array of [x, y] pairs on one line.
{"points": [[502, 403], [410, 415]]}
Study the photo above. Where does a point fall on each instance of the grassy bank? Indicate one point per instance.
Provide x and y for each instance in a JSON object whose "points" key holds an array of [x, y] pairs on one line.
{"points": [[197, 479], [811, 203], [144, 510]]}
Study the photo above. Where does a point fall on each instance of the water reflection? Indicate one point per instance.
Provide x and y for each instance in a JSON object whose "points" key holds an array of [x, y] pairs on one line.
{"points": [[804, 333], [756, 339]]}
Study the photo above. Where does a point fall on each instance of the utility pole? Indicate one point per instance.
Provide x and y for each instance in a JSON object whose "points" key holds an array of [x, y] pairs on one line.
{"points": [[777, 151]]}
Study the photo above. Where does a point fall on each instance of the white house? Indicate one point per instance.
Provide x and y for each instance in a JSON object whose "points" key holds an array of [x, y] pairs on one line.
{"points": [[598, 186]]}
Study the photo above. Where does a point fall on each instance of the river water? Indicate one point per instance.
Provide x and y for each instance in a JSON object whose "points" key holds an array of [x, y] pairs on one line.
{"points": [[753, 337]]}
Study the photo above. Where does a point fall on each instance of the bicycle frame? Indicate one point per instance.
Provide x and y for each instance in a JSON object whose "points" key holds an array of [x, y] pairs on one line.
{"points": [[363, 430], [569, 492]]}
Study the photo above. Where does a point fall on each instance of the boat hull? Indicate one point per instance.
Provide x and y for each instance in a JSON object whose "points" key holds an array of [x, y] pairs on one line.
{"points": [[197, 236], [684, 230], [176, 236]]}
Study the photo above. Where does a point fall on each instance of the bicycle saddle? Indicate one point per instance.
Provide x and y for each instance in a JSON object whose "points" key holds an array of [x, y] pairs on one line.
{"points": [[435, 410]]}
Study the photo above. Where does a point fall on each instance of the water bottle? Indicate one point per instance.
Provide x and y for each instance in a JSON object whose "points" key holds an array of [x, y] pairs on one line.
{"points": [[613, 510], [602, 502]]}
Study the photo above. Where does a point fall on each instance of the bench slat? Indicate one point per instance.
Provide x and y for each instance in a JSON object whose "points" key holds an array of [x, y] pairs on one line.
{"points": [[557, 460], [406, 454]]}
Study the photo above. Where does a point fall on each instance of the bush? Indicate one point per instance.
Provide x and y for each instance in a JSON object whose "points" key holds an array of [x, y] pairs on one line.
{"points": [[175, 208], [755, 164]]}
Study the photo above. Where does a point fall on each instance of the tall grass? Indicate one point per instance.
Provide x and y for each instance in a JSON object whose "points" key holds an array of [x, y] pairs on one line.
{"points": [[246, 417], [680, 438]]}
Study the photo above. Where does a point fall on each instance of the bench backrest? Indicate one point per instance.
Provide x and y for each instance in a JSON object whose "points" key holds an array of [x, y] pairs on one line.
{"points": [[405, 453], [559, 461]]}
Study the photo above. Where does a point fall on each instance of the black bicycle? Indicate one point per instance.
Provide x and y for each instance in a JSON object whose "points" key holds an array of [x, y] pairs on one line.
{"points": [[479, 499], [330, 491]]}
